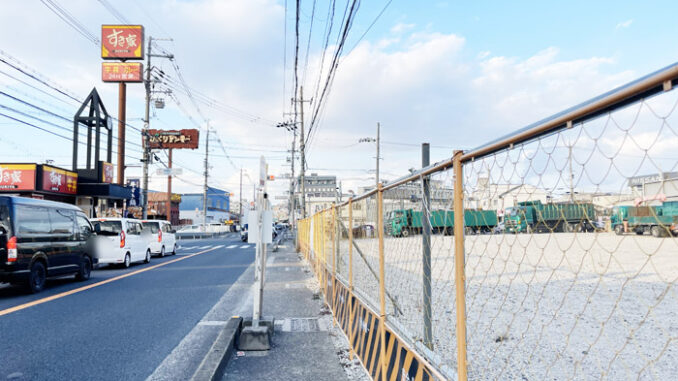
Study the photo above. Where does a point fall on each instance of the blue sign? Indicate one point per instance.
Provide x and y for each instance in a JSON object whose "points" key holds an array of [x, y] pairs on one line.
{"points": [[134, 184]]}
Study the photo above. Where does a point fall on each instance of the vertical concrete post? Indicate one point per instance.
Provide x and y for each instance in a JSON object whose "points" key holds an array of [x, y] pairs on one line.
{"points": [[382, 281], [459, 266]]}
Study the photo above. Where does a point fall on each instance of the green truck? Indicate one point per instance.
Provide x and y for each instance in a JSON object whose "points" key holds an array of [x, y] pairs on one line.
{"points": [[534, 216], [660, 220], [403, 222]]}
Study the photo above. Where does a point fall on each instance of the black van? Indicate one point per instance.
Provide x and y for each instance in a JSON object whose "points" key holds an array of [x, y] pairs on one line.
{"points": [[40, 239]]}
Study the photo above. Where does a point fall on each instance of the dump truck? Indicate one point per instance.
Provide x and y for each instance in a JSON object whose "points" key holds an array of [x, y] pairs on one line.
{"points": [[403, 222], [534, 216], [660, 220]]}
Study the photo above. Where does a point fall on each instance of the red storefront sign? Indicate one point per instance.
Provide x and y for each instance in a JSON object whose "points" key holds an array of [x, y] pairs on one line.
{"points": [[122, 42], [59, 180], [122, 71], [17, 177]]}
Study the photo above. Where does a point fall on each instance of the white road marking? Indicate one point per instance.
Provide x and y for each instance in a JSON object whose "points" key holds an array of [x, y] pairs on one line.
{"points": [[204, 247], [218, 247], [232, 246], [244, 246]]}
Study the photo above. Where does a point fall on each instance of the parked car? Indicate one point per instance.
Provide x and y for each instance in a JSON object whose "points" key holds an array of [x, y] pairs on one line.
{"points": [[163, 237], [121, 241], [41, 239]]}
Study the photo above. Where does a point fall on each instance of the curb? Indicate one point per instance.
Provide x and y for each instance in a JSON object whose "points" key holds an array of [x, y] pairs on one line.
{"points": [[214, 363]]}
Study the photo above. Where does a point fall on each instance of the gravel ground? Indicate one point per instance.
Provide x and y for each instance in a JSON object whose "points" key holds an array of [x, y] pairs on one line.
{"points": [[544, 306]]}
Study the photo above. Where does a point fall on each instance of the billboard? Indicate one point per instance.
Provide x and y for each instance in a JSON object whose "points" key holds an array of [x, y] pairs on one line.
{"points": [[59, 180], [122, 42], [17, 177], [107, 172], [122, 71], [134, 185], [173, 139]]}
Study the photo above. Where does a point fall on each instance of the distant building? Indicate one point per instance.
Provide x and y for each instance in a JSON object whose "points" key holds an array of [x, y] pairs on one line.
{"points": [[321, 192], [218, 206], [157, 207], [663, 184]]}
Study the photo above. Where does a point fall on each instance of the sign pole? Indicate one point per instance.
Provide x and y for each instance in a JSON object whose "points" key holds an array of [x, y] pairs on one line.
{"points": [[169, 187], [256, 333]]}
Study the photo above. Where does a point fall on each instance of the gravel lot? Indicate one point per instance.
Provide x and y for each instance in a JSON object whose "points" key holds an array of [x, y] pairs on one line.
{"points": [[544, 306]]}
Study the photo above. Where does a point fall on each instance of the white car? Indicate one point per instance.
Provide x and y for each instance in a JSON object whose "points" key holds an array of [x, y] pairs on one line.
{"points": [[163, 238], [121, 241]]}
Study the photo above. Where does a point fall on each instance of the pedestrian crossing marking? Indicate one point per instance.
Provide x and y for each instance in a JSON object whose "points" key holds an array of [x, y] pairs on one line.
{"points": [[232, 246], [218, 247], [244, 246]]}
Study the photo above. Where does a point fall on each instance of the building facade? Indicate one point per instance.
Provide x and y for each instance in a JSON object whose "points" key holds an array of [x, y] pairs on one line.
{"points": [[218, 206]]}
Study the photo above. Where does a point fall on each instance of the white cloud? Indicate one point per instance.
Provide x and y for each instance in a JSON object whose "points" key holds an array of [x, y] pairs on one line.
{"points": [[624, 24], [402, 27]]}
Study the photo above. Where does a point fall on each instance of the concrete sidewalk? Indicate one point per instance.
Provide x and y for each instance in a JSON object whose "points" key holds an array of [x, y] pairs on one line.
{"points": [[305, 346]]}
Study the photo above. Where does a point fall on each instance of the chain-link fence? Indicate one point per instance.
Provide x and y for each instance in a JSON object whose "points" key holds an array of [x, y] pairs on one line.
{"points": [[561, 263]]}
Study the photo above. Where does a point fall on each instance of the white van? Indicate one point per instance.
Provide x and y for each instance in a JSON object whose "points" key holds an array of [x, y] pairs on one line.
{"points": [[120, 241], [163, 238]]}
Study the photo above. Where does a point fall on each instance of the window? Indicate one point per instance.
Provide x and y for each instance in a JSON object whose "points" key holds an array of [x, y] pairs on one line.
{"points": [[134, 228], [84, 227], [112, 227], [32, 220], [152, 226], [63, 222]]}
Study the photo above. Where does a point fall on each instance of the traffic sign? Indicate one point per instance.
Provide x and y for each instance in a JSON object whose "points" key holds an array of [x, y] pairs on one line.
{"points": [[169, 171]]}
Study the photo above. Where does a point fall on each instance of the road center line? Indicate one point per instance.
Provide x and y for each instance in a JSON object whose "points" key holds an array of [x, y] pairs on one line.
{"points": [[84, 288]]}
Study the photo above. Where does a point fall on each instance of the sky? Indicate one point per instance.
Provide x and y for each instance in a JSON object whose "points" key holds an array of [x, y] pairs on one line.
{"points": [[454, 74]]}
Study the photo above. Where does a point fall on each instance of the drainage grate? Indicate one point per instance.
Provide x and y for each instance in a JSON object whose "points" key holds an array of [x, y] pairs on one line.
{"points": [[300, 325]]}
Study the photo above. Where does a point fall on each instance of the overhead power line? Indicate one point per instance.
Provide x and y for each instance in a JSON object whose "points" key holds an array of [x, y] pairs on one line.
{"points": [[69, 19]]}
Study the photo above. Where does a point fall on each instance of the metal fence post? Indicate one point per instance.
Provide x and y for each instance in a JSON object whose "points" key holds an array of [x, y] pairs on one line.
{"points": [[426, 247], [382, 281], [459, 264], [335, 245], [350, 274]]}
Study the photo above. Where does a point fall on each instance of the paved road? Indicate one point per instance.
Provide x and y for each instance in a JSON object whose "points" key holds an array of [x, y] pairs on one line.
{"points": [[118, 330]]}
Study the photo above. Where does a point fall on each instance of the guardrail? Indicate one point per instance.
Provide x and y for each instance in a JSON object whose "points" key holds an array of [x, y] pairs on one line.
{"points": [[561, 266]]}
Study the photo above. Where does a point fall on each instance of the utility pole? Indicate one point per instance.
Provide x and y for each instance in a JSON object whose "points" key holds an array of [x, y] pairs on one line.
{"points": [[302, 152], [378, 128], [240, 197], [144, 133], [377, 141], [292, 180], [204, 194]]}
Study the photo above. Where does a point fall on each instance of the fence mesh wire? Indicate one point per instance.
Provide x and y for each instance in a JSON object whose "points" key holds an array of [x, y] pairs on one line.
{"points": [[570, 249], [581, 282]]}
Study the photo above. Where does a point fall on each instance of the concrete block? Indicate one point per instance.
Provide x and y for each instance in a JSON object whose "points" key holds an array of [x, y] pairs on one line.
{"points": [[256, 338]]}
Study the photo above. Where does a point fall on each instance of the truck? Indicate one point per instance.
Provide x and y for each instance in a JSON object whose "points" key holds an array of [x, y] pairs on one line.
{"points": [[659, 220], [403, 222], [534, 216]]}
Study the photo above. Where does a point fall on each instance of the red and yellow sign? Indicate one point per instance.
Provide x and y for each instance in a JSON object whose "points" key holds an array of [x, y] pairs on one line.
{"points": [[122, 42], [59, 180], [17, 177], [122, 71], [160, 139], [107, 173]]}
